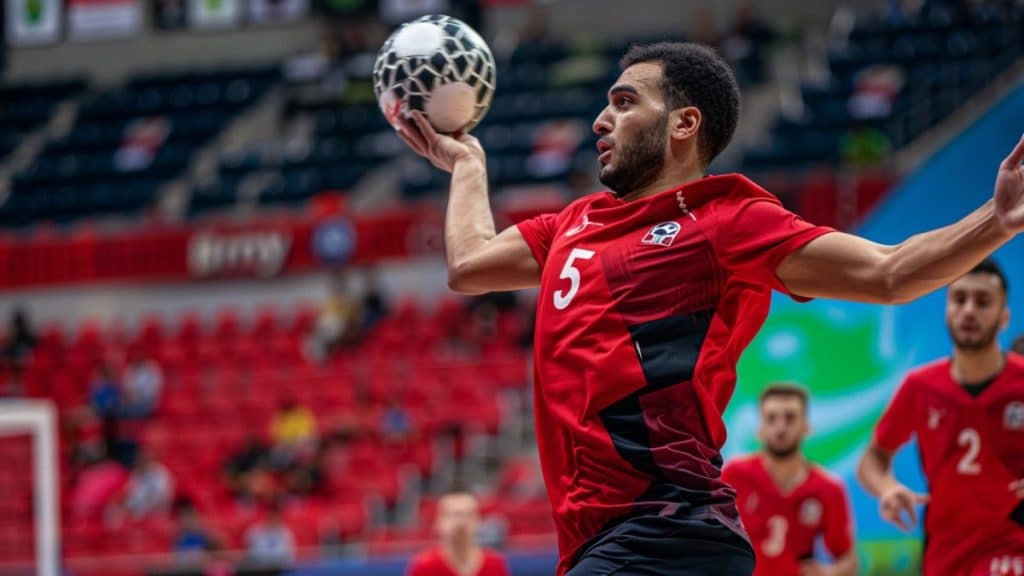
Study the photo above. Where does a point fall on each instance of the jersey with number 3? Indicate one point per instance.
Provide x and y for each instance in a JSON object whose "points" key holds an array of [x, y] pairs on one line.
{"points": [[643, 310], [971, 449], [785, 527]]}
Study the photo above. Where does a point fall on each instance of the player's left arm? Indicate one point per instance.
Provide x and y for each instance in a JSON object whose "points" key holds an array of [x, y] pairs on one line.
{"points": [[838, 533], [848, 267]]}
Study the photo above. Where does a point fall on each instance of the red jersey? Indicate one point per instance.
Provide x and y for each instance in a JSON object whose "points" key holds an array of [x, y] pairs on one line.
{"points": [[642, 314], [971, 448], [784, 527], [433, 563]]}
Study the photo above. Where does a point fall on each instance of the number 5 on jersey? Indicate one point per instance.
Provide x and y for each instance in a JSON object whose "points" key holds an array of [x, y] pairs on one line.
{"points": [[572, 274]]}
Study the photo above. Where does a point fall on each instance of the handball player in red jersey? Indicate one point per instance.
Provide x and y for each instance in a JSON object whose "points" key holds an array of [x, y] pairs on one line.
{"points": [[648, 294], [967, 413], [458, 553], [785, 502]]}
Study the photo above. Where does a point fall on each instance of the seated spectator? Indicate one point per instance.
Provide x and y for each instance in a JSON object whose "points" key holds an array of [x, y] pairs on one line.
{"points": [[96, 486], [270, 541], [143, 382], [105, 399], [241, 466], [150, 488], [87, 443], [193, 541], [395, 422], [292, 430], [21, 339], [339, 323]]}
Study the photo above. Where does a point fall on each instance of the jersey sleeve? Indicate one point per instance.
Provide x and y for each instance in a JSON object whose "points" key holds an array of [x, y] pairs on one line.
{"points": [[897, 423], [838, 522], [755, 233], [538, 232]]}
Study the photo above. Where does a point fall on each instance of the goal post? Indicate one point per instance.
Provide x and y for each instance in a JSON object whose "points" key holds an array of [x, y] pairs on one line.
{"points": [[38, 419]]}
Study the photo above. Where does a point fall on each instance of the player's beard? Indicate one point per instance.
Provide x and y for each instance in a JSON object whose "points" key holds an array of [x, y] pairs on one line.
{"points": [[639, 163], [782, 452], [983, 340]]}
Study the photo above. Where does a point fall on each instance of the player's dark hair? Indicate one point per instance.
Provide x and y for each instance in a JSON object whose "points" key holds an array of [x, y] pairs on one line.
{"points": [[695, 75], [784, 390], [989, 266]]}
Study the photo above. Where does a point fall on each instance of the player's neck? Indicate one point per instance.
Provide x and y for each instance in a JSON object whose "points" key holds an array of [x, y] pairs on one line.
{"points": [[460, 554], [787, 472], [975, 366], [667, 181]]}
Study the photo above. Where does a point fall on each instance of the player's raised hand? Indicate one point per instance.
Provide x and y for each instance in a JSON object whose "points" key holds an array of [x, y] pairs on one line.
{"points": [[1009, 192], [1017, 487], [442, 150], [900, 500]]}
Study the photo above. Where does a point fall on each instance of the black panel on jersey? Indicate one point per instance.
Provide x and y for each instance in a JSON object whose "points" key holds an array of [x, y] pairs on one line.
{"points": [[668, 348]]}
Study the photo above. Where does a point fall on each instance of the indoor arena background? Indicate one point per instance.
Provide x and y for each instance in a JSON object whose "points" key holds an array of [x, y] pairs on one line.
{"points": [[204, 193]]}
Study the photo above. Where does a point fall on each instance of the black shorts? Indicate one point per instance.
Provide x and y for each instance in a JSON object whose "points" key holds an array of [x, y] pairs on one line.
{"points": [[664, 546]]}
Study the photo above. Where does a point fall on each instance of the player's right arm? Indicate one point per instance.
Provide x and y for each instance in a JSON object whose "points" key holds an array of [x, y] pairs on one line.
{"points": [[875, 468], [479, 259]]}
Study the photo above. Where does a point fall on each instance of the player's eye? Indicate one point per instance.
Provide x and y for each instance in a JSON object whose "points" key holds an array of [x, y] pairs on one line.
{"points": [[623, 101]]}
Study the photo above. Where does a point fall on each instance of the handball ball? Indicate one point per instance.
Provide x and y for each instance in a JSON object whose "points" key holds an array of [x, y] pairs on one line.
{"points": [[439, 66]]}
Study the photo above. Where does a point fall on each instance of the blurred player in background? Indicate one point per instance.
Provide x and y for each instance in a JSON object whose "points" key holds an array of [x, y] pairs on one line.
{"points": [[786, 502], [648, 295], [967, 414], [458, 553]]}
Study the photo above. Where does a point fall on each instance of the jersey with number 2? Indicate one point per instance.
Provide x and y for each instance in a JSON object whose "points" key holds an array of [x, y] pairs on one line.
{"points": [[971, 449], [643, 310]]}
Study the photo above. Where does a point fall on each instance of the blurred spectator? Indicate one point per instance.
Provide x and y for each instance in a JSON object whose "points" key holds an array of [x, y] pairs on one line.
{"points": [[395, 422], [745, 45], [374, 305], [96, 486], [105, 399], [458, 551], [293, 431], [193, 541], [21, 339], [339, 323], [87, 441], [875, 91], [554, 147], [270, 541], [244, 464], [143, 382], [304, 477], [150, 488], [864, 145]]}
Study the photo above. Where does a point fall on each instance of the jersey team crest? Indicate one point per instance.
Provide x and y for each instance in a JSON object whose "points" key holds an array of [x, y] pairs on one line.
{"points": [[1013, 417], [662, 234]]}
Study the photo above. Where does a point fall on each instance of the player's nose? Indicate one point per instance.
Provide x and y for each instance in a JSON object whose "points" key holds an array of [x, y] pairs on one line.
{"points": [[602, 124]]}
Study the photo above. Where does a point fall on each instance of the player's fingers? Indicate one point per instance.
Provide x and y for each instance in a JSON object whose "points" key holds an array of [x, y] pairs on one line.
{"points": [[921, 498], [421, 122], [411, 135], [1012, 162], [911, 515], [410, 141]]}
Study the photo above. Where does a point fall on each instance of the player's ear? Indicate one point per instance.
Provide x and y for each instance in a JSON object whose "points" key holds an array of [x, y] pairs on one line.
{"points": [[1004, 318], [684, 123]]}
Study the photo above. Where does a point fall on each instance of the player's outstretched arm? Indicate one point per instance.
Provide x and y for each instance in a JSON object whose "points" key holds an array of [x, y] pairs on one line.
{"points": [[894, 499], [851, 268], [479, 259]]}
